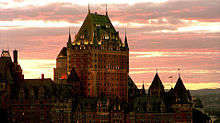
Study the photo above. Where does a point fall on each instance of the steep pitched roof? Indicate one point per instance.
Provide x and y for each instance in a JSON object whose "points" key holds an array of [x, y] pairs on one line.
{"points": [[73, 77], [63, 52], [179, 85], [93, 26], [156, 81], [131, 83]]}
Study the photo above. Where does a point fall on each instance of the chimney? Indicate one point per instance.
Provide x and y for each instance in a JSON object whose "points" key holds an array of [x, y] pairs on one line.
{"points": [[42, 76], [15, 54]]}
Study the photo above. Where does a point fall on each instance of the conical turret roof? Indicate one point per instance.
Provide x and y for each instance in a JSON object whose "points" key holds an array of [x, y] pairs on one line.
{"points": [[181, 92], [179, 85], [156, 81]]}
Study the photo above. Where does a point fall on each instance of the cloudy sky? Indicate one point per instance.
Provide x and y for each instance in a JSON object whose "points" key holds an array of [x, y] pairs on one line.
{"points": [[162, 34]]}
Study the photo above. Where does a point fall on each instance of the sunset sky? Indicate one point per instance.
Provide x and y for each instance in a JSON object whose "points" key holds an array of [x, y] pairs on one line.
{"points": [[162, 34]]}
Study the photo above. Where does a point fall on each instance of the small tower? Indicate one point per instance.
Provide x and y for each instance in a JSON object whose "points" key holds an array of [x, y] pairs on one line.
{"points": [[181, 92]]}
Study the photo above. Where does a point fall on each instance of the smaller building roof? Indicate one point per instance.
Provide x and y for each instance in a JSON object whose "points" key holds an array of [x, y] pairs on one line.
{"points": [[156, 81], [37, 82], [179, 85], [73, 77], [181, 92]]}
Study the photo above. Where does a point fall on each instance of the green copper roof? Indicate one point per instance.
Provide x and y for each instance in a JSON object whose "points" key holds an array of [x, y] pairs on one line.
{"points": [[94, 27]]}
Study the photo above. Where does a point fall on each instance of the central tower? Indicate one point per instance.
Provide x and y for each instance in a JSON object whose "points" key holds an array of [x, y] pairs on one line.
{"points": [[100, 59]]}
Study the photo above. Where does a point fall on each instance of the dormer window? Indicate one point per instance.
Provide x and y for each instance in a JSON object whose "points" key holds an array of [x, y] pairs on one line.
{"points": [[82, 36], [106, 36], [107, 26]]}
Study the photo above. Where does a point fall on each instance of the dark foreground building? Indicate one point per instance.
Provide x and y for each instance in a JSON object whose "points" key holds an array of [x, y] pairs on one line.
{"points": [[91, 85]]}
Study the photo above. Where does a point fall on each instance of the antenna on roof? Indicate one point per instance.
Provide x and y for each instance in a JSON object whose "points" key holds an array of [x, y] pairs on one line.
{"points": [[106, 9], [178, 72], [7, 47], [171, 77], [125, 31], [156, 70], [2, 47]]}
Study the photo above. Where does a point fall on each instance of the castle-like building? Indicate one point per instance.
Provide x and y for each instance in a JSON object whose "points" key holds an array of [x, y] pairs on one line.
{"points": [[91, 84], [99, 57]]}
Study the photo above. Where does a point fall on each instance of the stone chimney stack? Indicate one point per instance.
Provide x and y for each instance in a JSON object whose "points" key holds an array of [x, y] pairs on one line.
{"points": [[42, 76]]}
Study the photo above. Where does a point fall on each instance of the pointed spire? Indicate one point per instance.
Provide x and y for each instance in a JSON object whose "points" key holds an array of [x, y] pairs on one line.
{"points": [[69, 40], [88, 9], [143, 89], [106, 11], [126, 42], [69, 43]]}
